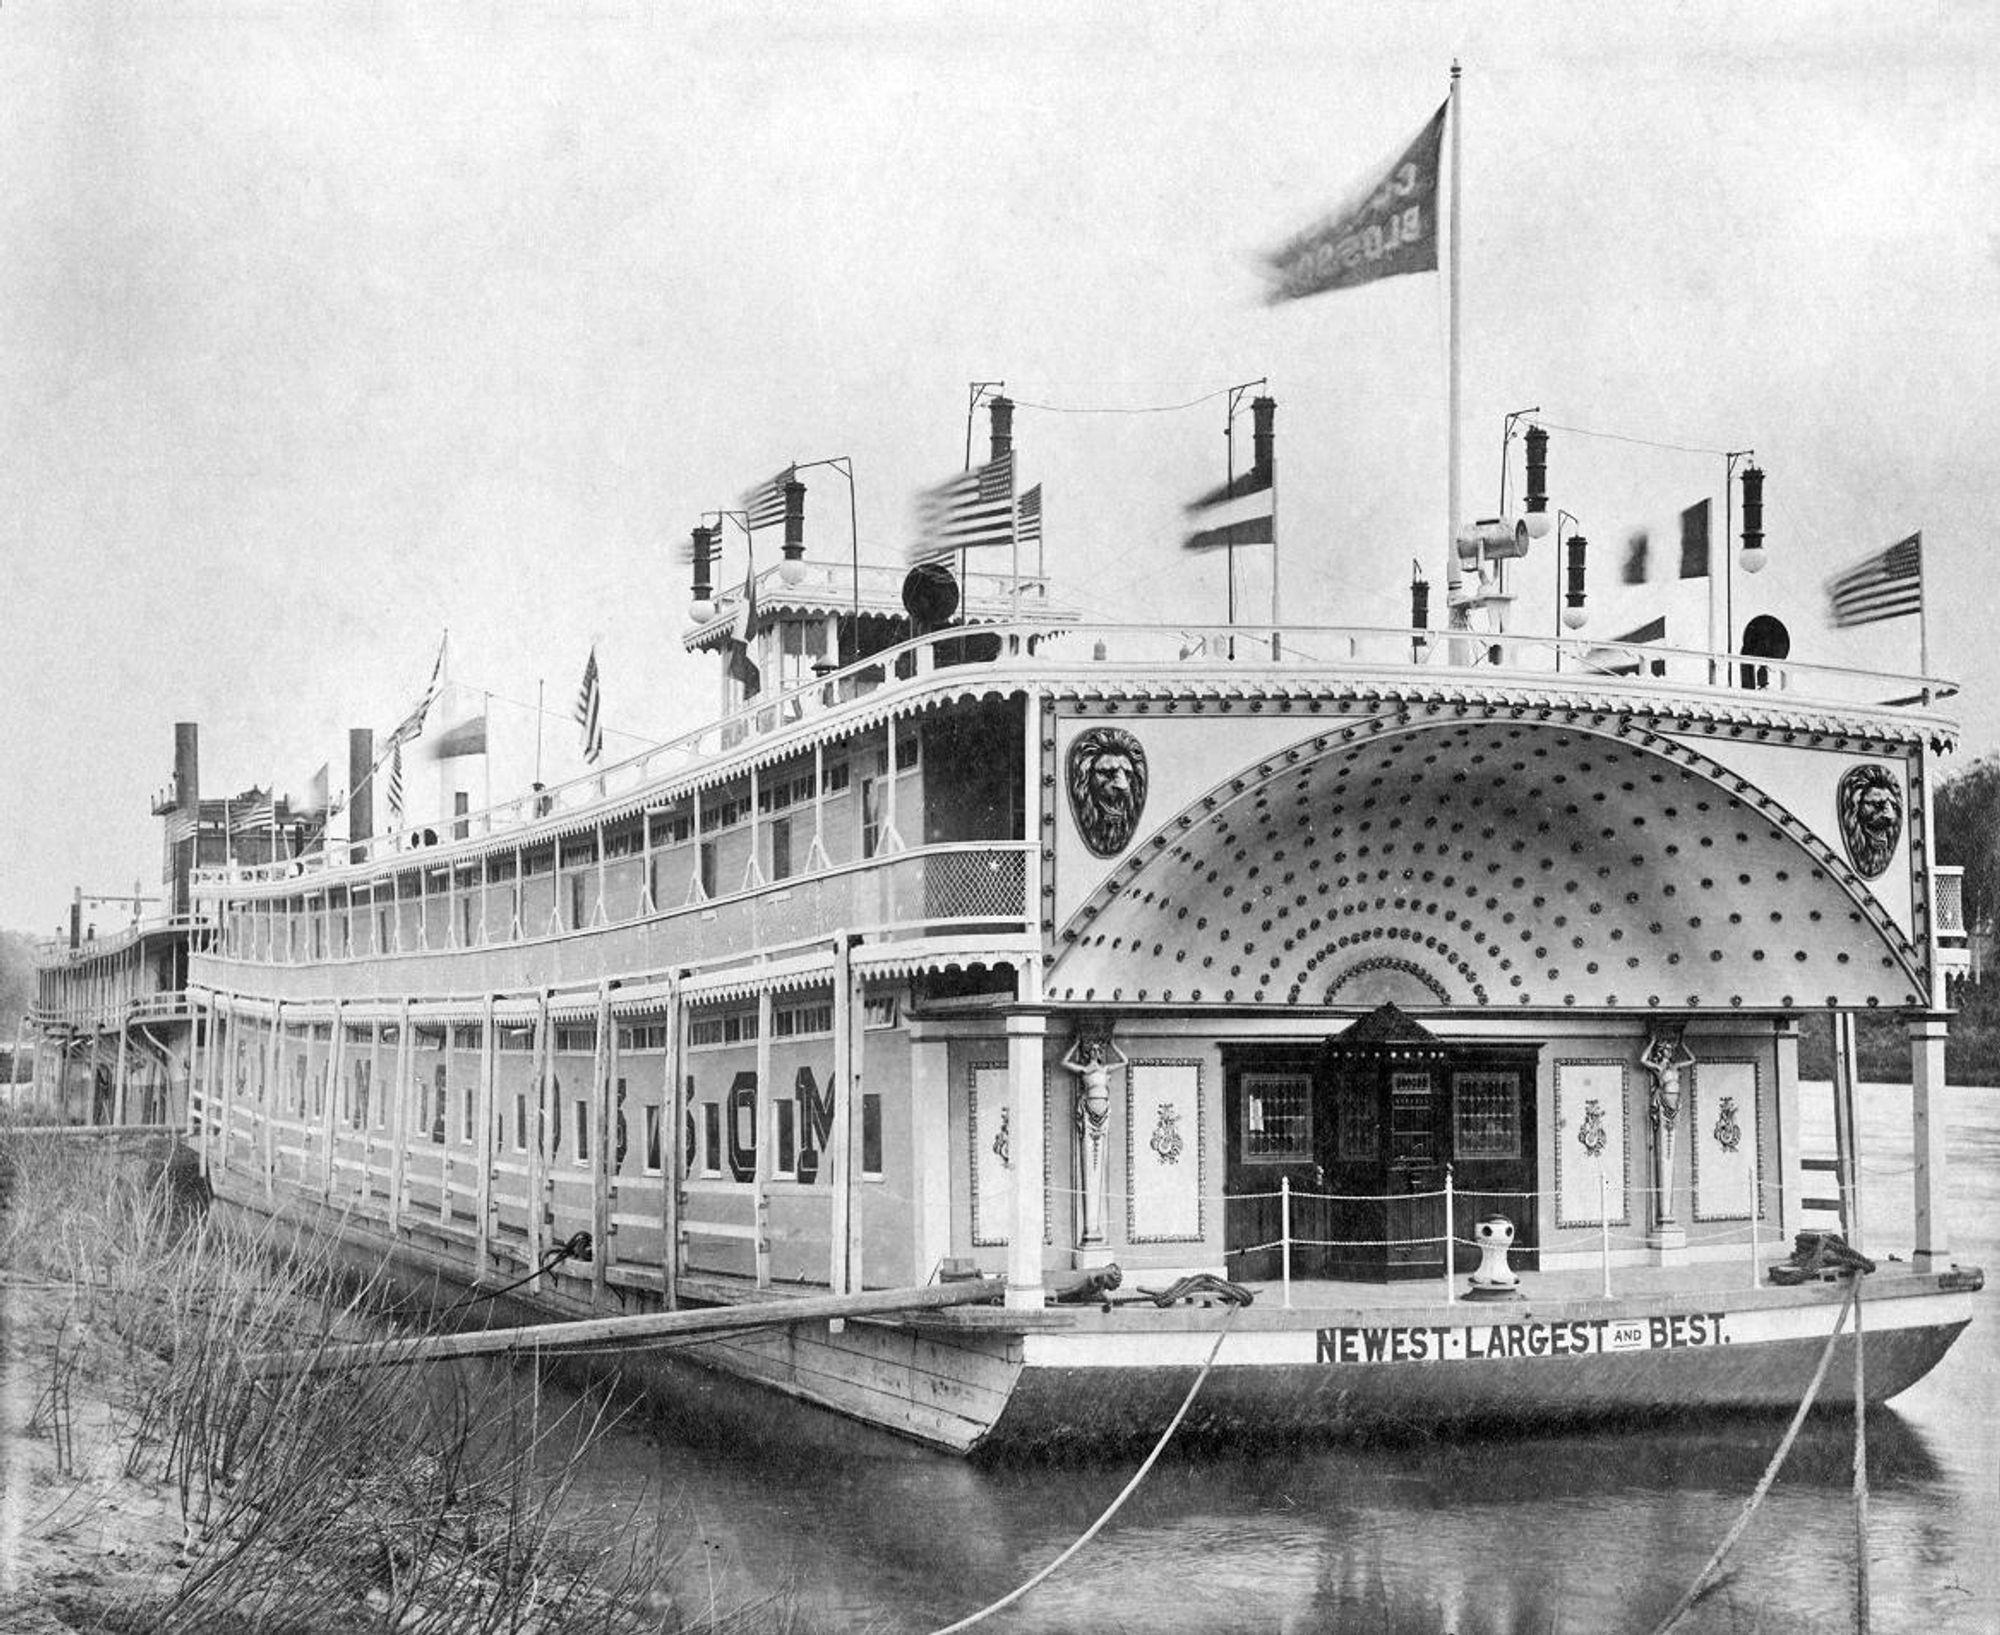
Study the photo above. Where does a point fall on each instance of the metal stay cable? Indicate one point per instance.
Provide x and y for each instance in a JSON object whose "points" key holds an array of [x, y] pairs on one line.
{"points": [[1694, 1590], [1116, 1504]]}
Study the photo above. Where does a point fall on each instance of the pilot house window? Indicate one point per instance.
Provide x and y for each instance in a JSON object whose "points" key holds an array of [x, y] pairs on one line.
{"points": [[1277, 1118]]}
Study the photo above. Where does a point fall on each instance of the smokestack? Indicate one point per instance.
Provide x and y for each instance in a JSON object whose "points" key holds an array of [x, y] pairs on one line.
{"points": [[360, 789], [1002, 411], [183, 858], [793, 568]]}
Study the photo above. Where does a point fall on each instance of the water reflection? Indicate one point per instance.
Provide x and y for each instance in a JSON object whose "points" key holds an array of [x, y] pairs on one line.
{"points": [[1587, 1531]]}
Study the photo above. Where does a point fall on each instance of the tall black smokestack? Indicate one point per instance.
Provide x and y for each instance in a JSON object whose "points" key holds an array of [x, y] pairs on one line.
{"points": [[360, 789], [184, 855]]}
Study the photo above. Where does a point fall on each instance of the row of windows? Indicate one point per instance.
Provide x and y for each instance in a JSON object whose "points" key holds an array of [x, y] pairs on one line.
{"points": [[469, 907], [798, 1019], [1278, 1117]]}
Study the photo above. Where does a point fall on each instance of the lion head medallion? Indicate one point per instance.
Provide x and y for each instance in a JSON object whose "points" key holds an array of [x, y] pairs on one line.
{"points": [[1871, 817], [1107, 788]]}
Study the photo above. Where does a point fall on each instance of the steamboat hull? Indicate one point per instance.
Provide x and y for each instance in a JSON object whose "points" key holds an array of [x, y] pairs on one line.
{"points": [[1002, 1382]]}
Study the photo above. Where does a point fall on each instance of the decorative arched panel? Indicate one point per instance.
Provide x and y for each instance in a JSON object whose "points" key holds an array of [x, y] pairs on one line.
{"points": [[1438, 859]]}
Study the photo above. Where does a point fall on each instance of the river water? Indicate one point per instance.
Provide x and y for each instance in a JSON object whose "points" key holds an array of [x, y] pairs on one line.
{"points": [[825, 1525]]}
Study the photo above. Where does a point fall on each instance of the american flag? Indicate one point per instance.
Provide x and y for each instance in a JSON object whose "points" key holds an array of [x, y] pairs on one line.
{"points": [[257, 814], [974, 508], [1887, 585], [589, 703], [766, 502], [396, 782], [1028, 515], [413, 723]]}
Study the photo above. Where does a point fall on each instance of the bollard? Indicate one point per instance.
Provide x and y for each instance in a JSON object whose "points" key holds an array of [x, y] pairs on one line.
{"points": [[1285, 1234]]}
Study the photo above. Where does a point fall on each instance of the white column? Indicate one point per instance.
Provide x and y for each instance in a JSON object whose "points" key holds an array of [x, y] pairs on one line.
{"points": [[930, 1151], [1931, 1238], [1027, 1032], [841, 1160]]}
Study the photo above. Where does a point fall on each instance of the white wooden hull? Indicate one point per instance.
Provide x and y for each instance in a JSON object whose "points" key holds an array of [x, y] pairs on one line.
{"points": [[1069, 1379]]}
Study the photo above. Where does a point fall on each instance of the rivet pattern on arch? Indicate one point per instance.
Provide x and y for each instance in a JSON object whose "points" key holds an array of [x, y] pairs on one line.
{"points": [[1505, 862]]}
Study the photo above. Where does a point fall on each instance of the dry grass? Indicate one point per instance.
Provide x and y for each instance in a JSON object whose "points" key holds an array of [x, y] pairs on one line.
{"points": [[420, 1499]]}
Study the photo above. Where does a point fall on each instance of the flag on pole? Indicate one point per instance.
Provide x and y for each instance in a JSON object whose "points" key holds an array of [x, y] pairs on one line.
{"points": [[260, 813], [1240, 512], [1611, 659], [1385, 228], [766, 502], [467, 737], [413, 723], [1694, 537], [396, 783], [974, 508], [589, 704], [1028, 516], [1887, 585]]}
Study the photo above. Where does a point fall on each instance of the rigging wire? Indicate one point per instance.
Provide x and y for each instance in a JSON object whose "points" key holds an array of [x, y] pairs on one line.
{"points": [[1145, 408], [1116, 1504], [1643, 442]]}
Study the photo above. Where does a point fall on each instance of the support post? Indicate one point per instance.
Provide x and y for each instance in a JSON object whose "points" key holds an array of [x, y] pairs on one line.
{"points": [[1450, 1197], [849, 1108], [329, 1113], [1027, 1033], [120, 1089], [399, 1118], [538, 1154], [485, 1138], [1604, 1229], [601, 1155], [840, 1161], [267, 1104], [1930, 1242], [767, 1137], [1756, 1207], [1861, 1609], [1285, 1237], [673, 1152], [1844, 1069]]}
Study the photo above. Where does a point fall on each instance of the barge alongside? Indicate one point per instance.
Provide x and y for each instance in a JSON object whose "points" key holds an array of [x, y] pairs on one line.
{"points": [[1288, 956]]}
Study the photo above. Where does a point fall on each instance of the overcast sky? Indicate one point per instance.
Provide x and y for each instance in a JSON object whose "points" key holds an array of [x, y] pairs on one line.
{"points": [[326, 328]]}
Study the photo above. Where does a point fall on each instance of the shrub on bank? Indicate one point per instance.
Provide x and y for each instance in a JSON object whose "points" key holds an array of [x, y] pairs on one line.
{"points": [[415, 1498]]}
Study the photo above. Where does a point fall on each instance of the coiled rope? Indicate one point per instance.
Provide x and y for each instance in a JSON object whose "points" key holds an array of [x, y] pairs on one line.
{"points": [[1116, 1504], [1694, 1590]]}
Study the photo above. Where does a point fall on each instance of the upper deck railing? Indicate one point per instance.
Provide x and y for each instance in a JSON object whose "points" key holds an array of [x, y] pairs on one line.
{"points": [[1193, 656], [57, 950]]}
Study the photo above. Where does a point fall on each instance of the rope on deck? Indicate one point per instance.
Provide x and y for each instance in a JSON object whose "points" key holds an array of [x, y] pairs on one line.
{"points": [[1116, 1504], [1698, 1587]]}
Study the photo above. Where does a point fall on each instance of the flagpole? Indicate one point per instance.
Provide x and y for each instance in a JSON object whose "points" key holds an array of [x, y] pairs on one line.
{"points": [[1453, 583], [1923, 633]]}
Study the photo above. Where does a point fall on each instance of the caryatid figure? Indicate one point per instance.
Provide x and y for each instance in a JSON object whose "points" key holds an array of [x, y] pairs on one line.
{"points": [[1093, 1058]]}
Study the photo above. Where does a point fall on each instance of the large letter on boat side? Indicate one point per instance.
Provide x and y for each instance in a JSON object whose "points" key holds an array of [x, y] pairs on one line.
{"points": [[741, 1119], [815, 1122]]}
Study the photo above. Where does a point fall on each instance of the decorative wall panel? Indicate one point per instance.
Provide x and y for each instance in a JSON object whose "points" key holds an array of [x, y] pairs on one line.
{"points": [[1165, 1151]]}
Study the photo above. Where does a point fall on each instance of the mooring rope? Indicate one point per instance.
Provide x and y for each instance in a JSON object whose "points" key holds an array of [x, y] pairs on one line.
{"points": [[1770, 1475], [1116, 1504]]}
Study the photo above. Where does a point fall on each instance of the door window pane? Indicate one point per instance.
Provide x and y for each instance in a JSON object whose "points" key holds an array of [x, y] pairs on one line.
{"points": [[1277, 1118], [1486, 1115]]}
